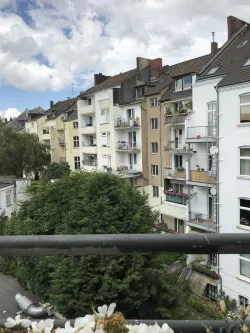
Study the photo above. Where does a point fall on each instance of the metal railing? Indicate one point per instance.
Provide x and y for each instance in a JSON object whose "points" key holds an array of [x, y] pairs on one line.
{"points": [[175, 118], [129, 167], [89, 163], [127, 145], [126, 123], [133, 244], [176, 173], [201, 132], [202, 221]]}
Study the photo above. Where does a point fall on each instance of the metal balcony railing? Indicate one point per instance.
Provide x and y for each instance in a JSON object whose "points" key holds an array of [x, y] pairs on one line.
{"points": [[201, 132], [127, 145], [178, 173], [121, 123], [175, 118], [89, 163], [202, 221], [133, 244]]}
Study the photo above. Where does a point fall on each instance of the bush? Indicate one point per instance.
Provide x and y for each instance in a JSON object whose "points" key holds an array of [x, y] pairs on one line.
{"points": [[203, 305], [204, 270]]}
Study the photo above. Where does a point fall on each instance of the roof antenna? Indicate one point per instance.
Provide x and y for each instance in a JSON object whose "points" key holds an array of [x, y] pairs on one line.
{"points": [[213, 33]]}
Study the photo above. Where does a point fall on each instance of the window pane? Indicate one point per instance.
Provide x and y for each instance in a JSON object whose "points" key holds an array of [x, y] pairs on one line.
{"points": [[247, 256], [245, 167], [245, 152], [178, 84], [245, 268], [187, 81], [245, 217], [245, 203], [245, 114], [245, 99]]}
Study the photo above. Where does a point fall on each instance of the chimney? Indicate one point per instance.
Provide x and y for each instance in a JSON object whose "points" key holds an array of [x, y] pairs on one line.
{"points": [[141, 63], [51, 104], [99, 78], [155, 68], [27, 112], [214, 46], [233, 25]]}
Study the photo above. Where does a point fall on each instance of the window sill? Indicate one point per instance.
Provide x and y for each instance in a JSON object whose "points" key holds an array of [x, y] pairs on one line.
{"points": [[243, 227], [244, 177], [243, 278], [154, 153], [154, 175], [243, 125], [154, 129]]}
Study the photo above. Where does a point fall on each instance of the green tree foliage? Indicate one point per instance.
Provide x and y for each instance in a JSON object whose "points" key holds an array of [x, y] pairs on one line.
{"points": [[3, 219], [55, 171], [21, 152], [92, 203]]}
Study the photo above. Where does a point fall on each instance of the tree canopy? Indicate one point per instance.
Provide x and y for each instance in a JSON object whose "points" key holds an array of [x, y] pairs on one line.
{"points": [[21, 152], [92, 203], [55, 171]]}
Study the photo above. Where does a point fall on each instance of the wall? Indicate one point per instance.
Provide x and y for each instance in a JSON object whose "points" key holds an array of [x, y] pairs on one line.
{"points": [[3, 207], [71, 151]]}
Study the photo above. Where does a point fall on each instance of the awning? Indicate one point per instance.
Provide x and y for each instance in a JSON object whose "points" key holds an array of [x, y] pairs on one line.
{"points": [[198, 283], [174, 210]]}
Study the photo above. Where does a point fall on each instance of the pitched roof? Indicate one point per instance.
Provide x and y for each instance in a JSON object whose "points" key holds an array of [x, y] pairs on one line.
{"points": [[110, 82], [231, 59], [62, 106], [25, 114]]}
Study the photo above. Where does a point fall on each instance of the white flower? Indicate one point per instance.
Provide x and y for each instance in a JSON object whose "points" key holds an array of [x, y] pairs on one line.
{"points": [[143, 328], [99, 331], [17, 322], [105, 311], [85, 322], [43, 326], [86, 330], [66, 329], [166, 329]]}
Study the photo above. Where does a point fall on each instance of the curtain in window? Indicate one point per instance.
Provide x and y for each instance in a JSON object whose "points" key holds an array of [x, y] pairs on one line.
{"points": [[245, 167]]}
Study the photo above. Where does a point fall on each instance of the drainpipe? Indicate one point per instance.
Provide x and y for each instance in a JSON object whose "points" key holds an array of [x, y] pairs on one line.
{"points": [[146, 138], [30, 309], [161, 149]]}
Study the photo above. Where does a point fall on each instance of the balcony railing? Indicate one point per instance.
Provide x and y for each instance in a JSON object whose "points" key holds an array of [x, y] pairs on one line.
{"points": [[202, 221], [126, 123], [175, 118], [180, 198], [132, 244], [129, 168], [201, 132], [179, 173], [202, 177], [89, 163], [61, 142], [177, 147], [127, 145]]}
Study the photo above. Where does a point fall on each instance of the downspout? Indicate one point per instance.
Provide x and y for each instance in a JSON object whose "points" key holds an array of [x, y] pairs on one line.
{"points": [[29, 308], [146, 139], [218, 178], [161, 150]]}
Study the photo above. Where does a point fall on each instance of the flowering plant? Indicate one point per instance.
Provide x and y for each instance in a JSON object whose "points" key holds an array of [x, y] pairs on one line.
{"points": [[104, 320]]}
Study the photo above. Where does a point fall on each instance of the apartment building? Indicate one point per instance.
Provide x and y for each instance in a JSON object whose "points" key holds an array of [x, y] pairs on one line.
{"points": [[218, 165], [27, 120]]}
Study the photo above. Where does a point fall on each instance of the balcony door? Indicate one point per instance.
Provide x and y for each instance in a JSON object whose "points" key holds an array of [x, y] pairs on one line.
{"points": [[178, 138], [211, 123], [132, 139]]}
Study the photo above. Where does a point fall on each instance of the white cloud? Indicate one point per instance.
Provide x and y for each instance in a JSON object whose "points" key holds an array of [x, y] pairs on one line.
{"points": [[9, 113], [78, 38]]}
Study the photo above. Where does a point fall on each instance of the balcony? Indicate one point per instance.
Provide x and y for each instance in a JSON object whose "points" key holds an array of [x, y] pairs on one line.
{"points": [[179, 198], [202, 178], [202, 221], [176, 147], [177, 118], [125, 146], [85, 109], [62, 142], [201, 134], [89, 149], [120, 123], [88, 129], [175, 173], [89, 162], [129, 168]]}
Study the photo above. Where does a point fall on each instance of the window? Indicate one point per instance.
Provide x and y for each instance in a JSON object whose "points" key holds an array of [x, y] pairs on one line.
{"points": [[154, 170], [179, 225], [131, 113], [153, 102], [90, 123], [155, 191], [154, 147], [245, 108], [139, 92], [211, 291], [76, 141], [245, 162], [77, 162], [8, 198], [45, 131], [178, 188], [212, 70], [247, 63], [213, 259], [245, 265], [75, 124], [154, 123], [177, 161], [132, 160], [89, 101], [245, 212], [183, 83], [243, 301]]}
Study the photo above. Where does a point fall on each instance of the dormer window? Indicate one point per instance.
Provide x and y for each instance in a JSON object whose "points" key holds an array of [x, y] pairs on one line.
{"points": [[247, 63], [183, 83], [139, 93], [212, 70]]}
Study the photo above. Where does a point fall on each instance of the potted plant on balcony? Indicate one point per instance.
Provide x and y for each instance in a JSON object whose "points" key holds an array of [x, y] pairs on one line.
{"points": [[202, 169], [198, 168], [168, 112], [180, 169], [182, 111], [244, 221]]}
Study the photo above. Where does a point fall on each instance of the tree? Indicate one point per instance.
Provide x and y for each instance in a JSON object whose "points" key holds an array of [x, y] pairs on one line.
{"points": [[21, 152], [55, 171], [92, 203]]}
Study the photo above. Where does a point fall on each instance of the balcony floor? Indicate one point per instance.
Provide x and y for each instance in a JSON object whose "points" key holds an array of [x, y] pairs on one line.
{"points": [[206, 225]]}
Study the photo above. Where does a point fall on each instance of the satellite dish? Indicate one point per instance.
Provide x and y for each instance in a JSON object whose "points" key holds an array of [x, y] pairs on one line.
{"points": [[213, 150], [213, 191]]}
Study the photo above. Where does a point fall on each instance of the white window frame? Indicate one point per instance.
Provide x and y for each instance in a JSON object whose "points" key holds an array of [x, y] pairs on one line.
{"points": [[153, 102], [154, 170], [8, 196], [154, 147], [75, 124], [182, 83], [247, 260], [77, 161], [177, 222], [155, 191], [245, 302], [154, 123], [131, 113], [243, 158], [243, 208], [76, 142], [243, 104]]}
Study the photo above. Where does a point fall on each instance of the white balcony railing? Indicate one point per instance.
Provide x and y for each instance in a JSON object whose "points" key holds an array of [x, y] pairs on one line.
{"points": [[129, 167], [201, 132], [121, 123], [127, 145]]}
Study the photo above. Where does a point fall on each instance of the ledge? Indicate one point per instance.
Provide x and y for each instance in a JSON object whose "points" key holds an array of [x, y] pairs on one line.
{"points": [[243, 227], [243, 278], [243, 125], [244, 177]]}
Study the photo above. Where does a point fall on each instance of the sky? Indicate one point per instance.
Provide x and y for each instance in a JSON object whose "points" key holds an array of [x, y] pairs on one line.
{"points": [[49, 46]]}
